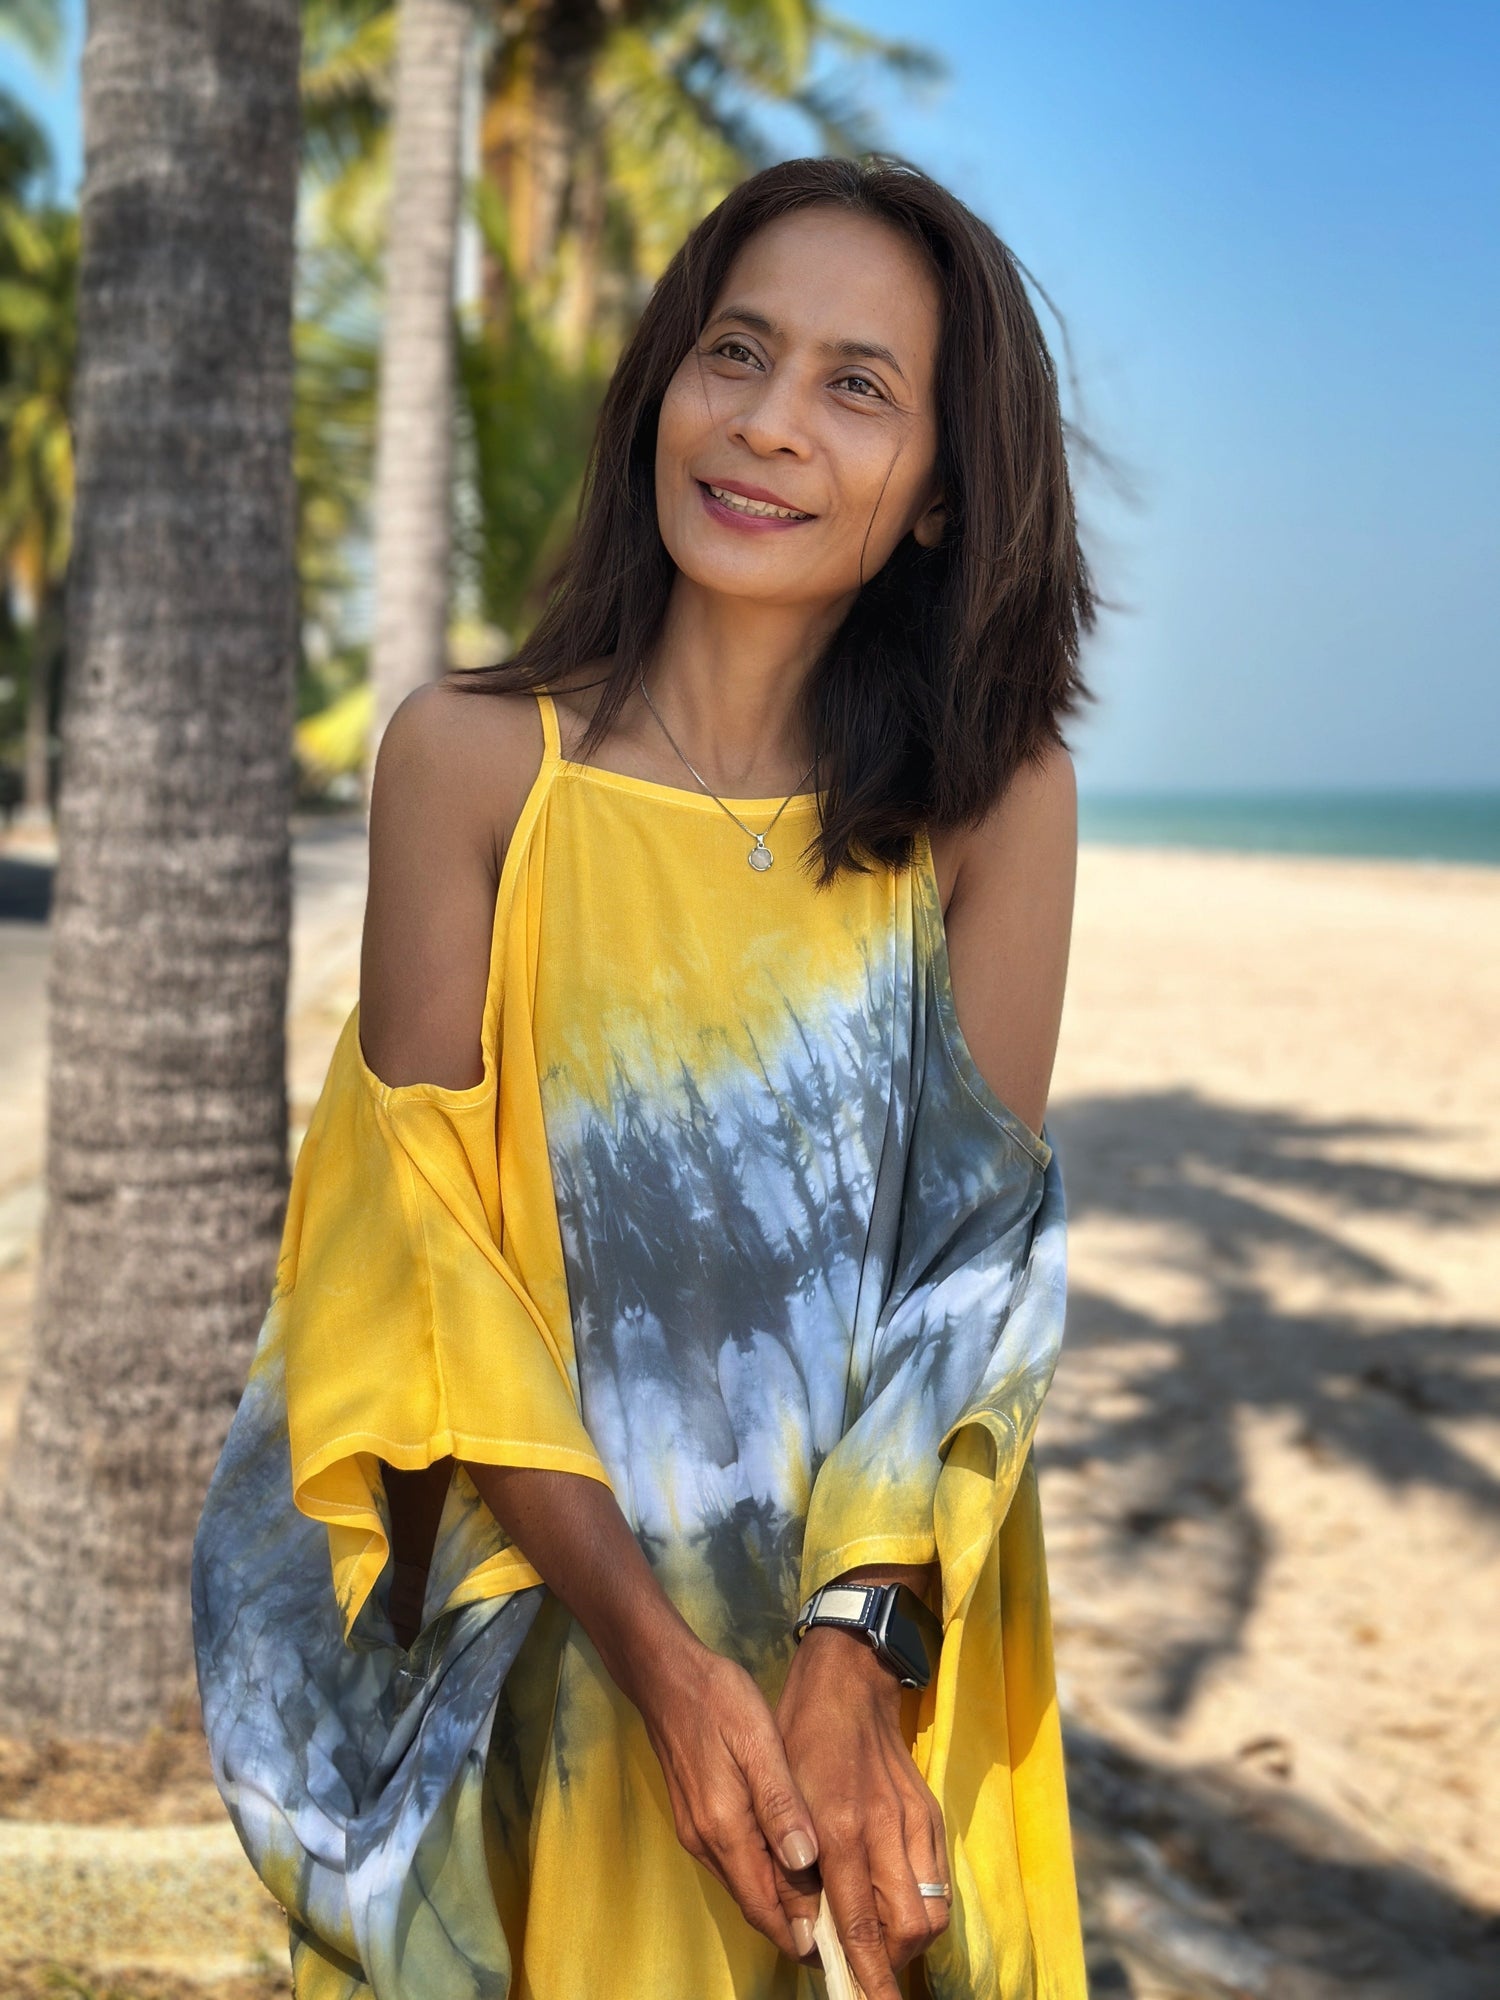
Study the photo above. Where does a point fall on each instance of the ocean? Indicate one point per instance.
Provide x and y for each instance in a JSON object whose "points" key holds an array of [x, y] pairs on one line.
{"points": [[1405, 826]]}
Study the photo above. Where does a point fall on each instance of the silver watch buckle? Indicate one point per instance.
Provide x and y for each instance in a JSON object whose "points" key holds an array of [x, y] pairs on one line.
{"points": [[848, 1605]]}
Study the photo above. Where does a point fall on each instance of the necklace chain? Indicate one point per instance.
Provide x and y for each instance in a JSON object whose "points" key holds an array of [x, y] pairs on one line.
{"points": [[760, 856]]}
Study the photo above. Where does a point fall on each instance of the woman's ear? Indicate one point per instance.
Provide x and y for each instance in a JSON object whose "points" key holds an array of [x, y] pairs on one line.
{"points": [[928, 526]]}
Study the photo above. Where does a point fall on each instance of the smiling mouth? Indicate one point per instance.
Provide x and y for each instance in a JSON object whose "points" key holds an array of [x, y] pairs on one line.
{"points": [[761, 510]]}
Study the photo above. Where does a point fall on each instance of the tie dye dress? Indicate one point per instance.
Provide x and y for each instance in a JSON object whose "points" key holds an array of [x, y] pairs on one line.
{"points": [[733, 1224]]}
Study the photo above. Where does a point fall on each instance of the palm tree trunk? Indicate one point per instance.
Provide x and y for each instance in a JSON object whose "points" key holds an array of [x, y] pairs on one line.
{"points": [[579, 302], [166, 1140], [414, 444], [539, 136]]}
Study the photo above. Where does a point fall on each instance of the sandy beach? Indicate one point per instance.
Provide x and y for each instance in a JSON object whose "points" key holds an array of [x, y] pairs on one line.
{"points": [[1271, 1460], [1271, 1456]]}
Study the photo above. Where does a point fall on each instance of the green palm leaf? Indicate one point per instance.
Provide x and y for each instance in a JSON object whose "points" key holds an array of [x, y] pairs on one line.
{"points": [[36, 24]]}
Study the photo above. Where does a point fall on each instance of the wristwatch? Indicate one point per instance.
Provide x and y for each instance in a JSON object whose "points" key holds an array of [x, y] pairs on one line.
{"points": [[903, 1634]]}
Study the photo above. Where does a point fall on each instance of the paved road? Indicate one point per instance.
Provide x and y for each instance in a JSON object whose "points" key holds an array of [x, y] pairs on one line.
{"points": [[25, 898]]}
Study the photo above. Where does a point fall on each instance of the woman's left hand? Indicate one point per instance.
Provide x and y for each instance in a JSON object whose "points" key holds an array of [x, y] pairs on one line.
{"points": [[879, 1828]]}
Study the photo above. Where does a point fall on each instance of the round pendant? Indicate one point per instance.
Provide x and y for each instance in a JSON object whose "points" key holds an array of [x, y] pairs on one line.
{"points": [[760, 858]]}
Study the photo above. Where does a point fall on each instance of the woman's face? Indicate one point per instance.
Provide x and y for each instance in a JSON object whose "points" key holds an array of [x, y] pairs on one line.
{"points": [[810, 391]]}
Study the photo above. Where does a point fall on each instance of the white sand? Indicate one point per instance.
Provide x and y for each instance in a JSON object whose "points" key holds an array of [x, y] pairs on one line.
{"points": [[1271, 1459]]}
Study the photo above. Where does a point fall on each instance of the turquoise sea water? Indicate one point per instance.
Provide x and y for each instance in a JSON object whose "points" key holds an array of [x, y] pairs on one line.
{"points": [[1407, 826]]}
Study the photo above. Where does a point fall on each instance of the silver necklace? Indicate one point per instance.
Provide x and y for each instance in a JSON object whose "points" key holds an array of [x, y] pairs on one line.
{"points": [[760, 856]]}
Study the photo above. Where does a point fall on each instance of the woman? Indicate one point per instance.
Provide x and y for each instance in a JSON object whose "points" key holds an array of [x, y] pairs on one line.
{"points": [[677, 1235]]}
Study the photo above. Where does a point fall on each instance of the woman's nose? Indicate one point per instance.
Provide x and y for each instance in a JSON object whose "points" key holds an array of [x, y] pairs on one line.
{"points": [[774, 417]]}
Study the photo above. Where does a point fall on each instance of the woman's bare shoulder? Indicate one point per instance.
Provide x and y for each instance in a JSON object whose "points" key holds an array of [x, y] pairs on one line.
{"points": [[468, 760], [1037, 811], [1009, 925], [451, 776]]}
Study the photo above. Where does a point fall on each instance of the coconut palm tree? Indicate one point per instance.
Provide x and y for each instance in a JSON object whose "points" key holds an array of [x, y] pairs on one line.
{"points": [[414, 444], [611, 126], [166, 1138]]}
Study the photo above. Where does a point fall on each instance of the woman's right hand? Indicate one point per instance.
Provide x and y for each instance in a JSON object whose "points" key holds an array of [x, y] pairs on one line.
{"points": [[733, 1796]]}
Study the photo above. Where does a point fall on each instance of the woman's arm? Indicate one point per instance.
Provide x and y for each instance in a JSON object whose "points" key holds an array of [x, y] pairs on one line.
{"points": [[736, 1806], [879, 1827], [450, 780], [1009, 925]]}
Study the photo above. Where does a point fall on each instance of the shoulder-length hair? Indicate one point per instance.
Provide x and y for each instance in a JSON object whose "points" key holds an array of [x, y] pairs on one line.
{"points": [[954, 664]]}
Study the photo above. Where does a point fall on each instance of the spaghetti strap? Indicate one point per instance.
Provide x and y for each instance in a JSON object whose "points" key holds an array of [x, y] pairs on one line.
{"points": [[551, 736]]}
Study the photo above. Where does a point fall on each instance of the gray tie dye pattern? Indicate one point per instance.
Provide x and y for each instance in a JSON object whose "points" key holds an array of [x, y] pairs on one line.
{"points": [[790, 1288]]}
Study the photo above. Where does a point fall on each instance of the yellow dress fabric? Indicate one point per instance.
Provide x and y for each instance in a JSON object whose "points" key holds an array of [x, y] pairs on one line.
{"points": [[733, 1224]]}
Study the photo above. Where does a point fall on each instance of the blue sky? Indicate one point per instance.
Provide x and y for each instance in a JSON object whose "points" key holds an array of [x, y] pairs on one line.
{"points": [[1272, 231]]}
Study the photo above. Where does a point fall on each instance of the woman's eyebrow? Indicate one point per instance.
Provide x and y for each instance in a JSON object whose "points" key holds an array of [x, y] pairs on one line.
{"points": [[836, 350], [862, 350]]}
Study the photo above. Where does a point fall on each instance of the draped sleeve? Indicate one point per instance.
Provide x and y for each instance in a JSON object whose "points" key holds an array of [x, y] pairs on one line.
{"points": [[936, 1465], [409, 1335], [420, 1297], [420, 1309], [954, 1369]]}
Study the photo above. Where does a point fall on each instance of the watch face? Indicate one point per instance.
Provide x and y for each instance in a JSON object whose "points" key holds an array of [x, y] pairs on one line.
{"points": [[911, 1636], [904, 1644]]}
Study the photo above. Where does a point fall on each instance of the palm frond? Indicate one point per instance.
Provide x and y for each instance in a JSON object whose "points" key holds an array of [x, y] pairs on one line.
{"points": [[840, 118], [37, 25], [348, 63], [38, 325], [908, 62], [25, 152], [525, 416]]}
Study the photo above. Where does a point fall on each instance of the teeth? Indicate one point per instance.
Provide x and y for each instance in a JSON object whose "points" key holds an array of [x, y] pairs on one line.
{"points": [[763, 507]]}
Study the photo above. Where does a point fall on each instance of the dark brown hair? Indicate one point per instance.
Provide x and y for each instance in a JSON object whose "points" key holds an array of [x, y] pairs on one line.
{"points": [[954, 664]]}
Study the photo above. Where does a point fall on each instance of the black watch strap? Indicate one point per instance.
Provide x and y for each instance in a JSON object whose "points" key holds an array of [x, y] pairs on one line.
{"points": [[904, 1634]]}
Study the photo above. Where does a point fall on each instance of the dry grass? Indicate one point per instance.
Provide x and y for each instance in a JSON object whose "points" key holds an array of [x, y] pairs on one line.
{"points": [[164, 1780], [39, 1981]]}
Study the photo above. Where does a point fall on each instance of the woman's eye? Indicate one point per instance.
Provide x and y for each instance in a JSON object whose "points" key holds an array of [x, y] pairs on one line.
{"points": [[867, 386], [735, 350]]}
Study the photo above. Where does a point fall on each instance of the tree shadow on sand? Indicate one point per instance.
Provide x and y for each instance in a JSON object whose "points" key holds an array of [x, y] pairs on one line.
{"points": [[1200, 1885], [1223, 1183], [1251, 1206]]}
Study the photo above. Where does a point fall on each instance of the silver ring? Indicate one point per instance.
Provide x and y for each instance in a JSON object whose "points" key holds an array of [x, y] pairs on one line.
{"points": [[935, 1891]]}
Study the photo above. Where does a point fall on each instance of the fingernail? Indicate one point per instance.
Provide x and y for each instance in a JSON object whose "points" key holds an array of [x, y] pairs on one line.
{"points": [[802, 1935], [797, 1851]]}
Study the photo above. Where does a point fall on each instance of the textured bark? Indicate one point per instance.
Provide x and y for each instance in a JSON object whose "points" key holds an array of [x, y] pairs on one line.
{"points": [[166, 1141], [414, 446]]}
